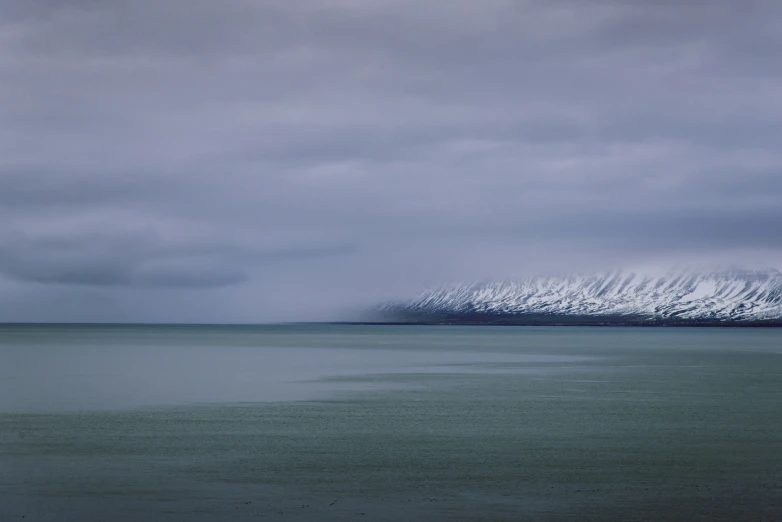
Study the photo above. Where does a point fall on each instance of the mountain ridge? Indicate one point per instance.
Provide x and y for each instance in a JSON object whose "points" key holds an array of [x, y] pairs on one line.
{"points": [[680, 296]]}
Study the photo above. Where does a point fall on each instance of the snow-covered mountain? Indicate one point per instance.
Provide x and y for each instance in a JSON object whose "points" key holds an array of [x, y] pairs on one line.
{"points": [[686, 295]]}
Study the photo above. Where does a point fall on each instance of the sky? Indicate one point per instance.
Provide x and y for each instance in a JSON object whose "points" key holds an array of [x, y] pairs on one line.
{"points": [[269, 160]]}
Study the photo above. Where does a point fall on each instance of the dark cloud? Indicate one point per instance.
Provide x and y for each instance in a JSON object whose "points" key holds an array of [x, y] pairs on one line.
{"points": [[140, 259], [263, 160], [120, 259], [31, 187]]}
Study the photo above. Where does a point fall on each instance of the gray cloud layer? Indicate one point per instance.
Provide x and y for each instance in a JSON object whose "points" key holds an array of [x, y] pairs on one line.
{"points": [[265, 160]]}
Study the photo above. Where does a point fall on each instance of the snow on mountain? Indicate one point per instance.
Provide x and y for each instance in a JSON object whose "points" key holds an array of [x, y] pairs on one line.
{"points": [[729, 294]]}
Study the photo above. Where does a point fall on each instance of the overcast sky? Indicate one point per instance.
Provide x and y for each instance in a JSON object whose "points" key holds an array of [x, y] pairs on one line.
{"points": [[264, 160]]}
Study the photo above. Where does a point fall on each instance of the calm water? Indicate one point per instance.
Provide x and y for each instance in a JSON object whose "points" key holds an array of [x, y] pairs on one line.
{"points": [[389, 423]]}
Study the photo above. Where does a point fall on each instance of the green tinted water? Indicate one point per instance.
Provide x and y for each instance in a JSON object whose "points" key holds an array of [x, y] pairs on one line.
{"points": [[402, 423]]}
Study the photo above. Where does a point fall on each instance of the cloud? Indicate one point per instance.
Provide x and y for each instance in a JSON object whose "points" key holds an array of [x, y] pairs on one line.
{"points": [[294, 158], [120, 259], [141, 258]]}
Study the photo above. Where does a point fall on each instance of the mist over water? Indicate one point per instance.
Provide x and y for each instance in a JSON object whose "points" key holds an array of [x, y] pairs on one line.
{"points": [[389, 423]]}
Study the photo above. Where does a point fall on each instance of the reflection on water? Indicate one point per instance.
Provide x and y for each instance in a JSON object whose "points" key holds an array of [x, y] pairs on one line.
{"points": [[345, 423], [81, 368]]}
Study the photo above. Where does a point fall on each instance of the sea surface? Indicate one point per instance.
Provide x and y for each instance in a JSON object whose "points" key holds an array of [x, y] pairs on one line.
{"points": [[328, 422]]}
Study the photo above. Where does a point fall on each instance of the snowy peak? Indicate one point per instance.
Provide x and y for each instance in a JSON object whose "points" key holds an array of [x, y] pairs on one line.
{"points": [[732, 294]]}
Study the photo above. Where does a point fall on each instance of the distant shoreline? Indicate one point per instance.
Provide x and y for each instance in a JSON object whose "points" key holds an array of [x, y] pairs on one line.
{"points": [[498, 322], [592, 323]]}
